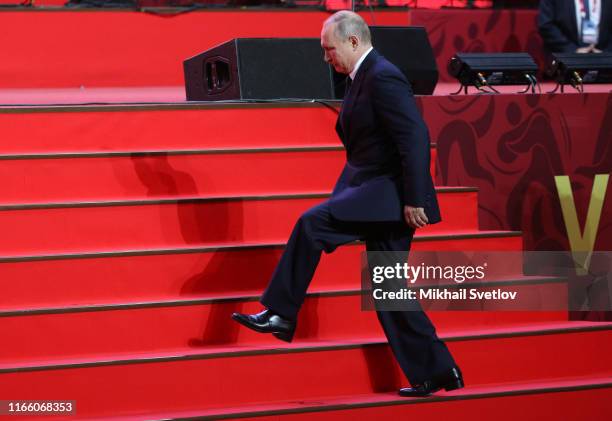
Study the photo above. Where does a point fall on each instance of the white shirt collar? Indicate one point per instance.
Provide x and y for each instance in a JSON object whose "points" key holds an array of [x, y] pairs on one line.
{"points": [[361, 59]]}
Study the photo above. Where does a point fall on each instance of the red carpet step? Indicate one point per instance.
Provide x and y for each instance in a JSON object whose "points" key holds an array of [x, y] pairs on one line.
{"points": [[60, 228], [563, 399], [209, 380], [127, 128], [29, 179], [148, 275], [86, 331]]}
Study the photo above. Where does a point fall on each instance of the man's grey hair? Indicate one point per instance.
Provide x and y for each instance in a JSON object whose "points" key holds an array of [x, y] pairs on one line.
{"points": [[348, 24]]}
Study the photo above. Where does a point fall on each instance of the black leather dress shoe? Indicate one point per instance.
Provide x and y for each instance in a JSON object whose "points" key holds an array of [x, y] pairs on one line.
{"points": [[450, 380], [268, 322]]}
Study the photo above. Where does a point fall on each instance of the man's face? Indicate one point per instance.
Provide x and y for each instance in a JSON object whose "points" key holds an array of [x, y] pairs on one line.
{"points": [[338, 52]]}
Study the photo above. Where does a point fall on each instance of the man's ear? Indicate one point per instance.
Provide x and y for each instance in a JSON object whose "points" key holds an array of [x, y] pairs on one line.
{"points": [[354, 41]]}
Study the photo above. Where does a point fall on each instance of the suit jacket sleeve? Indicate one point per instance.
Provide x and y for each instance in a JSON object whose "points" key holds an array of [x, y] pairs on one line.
{"points": [[396, 109], [548, 26]]}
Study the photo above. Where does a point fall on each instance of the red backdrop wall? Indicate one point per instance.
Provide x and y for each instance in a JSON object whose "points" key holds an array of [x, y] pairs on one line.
{"points": [[512, 146]]}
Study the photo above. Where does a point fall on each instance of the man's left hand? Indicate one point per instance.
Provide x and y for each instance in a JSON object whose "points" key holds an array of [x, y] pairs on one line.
{"points": [[415, 217]]}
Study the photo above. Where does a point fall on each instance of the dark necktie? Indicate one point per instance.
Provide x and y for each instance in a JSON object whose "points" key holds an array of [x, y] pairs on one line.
{"points": [[347, 87]]}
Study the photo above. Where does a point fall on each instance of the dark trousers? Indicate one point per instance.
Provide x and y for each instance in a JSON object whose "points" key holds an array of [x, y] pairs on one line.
{"points": [[411, 335]]}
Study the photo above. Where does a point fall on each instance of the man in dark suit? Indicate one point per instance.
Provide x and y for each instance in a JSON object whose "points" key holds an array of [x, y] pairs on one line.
{"points": [[384, 193], [576, 26]]}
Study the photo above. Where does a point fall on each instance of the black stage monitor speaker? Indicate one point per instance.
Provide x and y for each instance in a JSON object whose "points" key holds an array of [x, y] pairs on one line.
{"points": [[259, 68], [409, 49]]}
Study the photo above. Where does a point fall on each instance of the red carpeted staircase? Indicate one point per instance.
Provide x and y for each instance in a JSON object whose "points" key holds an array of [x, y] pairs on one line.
{"points": [[130, 233], [130, 236]]}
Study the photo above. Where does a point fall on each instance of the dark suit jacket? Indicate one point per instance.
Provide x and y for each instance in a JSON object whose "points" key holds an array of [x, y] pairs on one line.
{"points": [[559, 31], [387, 148]]}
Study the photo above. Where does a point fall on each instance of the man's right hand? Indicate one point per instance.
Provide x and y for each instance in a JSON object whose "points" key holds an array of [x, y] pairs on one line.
{"points": [[415, 217]]}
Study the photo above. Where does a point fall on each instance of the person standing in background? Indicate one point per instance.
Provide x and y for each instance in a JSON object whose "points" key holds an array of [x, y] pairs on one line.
{"points": [[576, 26]]}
